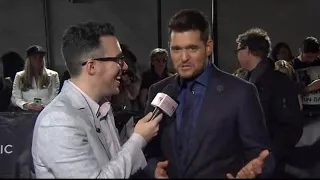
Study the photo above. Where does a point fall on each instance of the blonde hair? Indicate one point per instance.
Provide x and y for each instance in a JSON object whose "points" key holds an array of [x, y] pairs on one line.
{"points": [[285, 67], [26, 77]]}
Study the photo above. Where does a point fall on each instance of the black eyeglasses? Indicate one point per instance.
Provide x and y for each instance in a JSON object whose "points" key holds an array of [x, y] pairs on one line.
{"points": [[119, 60]]}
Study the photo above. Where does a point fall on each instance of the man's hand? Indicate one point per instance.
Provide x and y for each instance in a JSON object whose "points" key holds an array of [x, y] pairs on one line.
{"points": [[161, 170], [148, 128], [315, 85], [33, 107], [252, 169]]}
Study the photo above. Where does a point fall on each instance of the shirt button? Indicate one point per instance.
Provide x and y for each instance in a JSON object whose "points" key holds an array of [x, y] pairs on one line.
{"points": [[192, 92]]}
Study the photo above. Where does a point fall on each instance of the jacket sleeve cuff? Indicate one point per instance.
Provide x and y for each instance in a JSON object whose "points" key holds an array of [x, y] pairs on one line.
{"points": [[139, 140]]}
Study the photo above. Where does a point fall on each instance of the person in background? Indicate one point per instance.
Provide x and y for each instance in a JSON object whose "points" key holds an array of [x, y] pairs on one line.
{"points": [[158, 71], [12, 63], [130, 84], [286, 68], [281, 51], [35, 86], [278, 95], [5, 90], [307, 67]]}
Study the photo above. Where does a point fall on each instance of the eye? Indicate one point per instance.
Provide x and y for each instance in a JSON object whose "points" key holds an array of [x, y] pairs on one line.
{"points": [[193, 48]]}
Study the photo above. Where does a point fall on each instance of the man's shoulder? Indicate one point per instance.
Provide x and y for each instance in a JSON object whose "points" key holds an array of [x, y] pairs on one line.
{"points": [[232, 80], [164, 82], [224, 77], [58, 111]]}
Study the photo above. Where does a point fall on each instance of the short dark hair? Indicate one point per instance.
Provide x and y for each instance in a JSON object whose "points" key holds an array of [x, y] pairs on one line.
{"points": [[310, 45], [189, 19], [257, 41], [83, 41]]}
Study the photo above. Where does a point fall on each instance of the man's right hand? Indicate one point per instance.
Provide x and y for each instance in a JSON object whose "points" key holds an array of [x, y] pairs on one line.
{"points": [[148, 128], [315, 85], [161, 170]]}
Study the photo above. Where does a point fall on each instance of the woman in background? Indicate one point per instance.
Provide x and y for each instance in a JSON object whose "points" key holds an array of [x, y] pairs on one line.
{"points": [[35, 86], [130, 84], [158, 71], [281, 51]]}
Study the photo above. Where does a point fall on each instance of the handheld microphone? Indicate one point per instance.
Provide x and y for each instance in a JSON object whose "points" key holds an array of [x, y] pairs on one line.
{"points": [[165, 102]]}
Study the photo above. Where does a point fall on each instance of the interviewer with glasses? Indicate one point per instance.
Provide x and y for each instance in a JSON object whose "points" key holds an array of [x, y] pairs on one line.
{"points": [[75, 135]]}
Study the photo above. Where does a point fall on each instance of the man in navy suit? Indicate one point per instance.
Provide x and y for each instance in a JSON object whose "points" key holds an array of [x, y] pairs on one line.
{"points": [[218, 128]]}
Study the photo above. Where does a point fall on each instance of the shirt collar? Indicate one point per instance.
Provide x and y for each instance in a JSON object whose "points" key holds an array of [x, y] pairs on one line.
{"points": [[259, 70], [204, 76], [100, 111], [202, 79]]}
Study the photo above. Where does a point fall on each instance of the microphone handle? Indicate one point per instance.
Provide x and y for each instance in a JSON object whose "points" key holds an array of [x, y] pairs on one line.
{"points": [[155, 112]]}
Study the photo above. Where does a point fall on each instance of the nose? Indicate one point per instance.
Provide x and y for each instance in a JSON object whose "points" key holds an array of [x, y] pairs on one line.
{"points": [[185, 56]]}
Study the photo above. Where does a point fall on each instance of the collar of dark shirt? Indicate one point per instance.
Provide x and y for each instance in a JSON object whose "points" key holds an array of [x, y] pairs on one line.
{"points": [[202, 78], [256, 73]]}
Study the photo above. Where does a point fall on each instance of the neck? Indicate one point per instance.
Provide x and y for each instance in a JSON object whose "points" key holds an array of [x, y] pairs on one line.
{"points": [[159, 72], [87, 88], [253, 63], [36, 73]]}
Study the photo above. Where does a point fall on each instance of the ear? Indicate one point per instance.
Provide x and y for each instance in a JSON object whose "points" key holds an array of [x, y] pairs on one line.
{"points": [[209, 47], [91, 67]]}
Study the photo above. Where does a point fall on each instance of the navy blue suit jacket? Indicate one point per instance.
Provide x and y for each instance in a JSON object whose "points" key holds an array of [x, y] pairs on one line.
{"points": [[230, 131]]}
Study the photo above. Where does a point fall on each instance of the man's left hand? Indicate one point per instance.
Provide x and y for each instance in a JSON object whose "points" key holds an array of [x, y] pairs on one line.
{"points": [[252, 169]]}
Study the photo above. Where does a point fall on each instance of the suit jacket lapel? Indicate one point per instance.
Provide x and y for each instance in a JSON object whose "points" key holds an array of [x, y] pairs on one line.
{"points": [[170, 141], [212, 95], [85, 112]]}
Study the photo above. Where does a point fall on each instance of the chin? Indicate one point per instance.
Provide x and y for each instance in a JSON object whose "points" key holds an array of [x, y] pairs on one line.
{"points": [[112, 92], [117, 91], [185, 75]]}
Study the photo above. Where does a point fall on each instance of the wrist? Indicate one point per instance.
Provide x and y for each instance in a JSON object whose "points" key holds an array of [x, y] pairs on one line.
{"points": [[139, 139]]}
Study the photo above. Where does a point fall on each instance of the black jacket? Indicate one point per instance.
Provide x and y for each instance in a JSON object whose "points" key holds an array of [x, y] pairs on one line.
{"points": [[230, 131], [279, 98]]}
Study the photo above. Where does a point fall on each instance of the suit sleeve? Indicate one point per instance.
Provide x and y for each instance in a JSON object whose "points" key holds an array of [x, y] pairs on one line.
{"points": [[72, 156], [252, 127]]}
